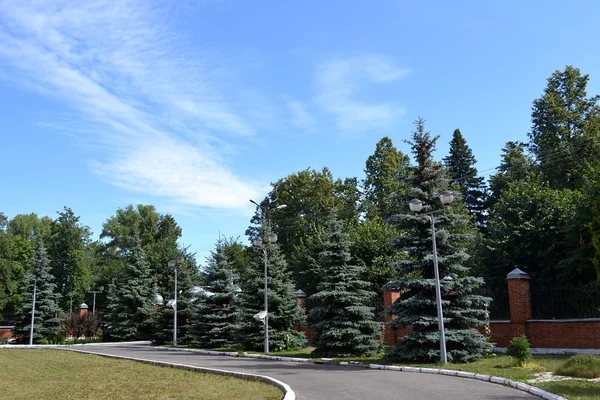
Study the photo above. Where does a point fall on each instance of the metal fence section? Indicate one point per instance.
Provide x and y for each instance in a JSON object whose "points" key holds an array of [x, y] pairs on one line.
{"points": [[7, 318], [499, 307], [566, 302]]}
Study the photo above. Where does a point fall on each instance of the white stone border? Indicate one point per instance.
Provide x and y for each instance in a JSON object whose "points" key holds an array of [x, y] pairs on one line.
{"points": [[289, 394], [461, 374]]}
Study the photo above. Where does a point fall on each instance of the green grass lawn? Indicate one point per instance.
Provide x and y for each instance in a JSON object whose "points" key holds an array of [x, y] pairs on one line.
{"points": [[53, 374]]}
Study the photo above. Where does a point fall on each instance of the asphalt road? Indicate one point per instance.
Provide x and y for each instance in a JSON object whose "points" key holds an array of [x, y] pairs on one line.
{"points": [[329, 382]]}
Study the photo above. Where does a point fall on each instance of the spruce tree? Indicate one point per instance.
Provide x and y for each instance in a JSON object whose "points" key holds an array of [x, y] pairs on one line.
{"points": [[214, 324], [460, 165], [47, 315], [339, 312], [285, 314], [130, 301], [464, 309]]}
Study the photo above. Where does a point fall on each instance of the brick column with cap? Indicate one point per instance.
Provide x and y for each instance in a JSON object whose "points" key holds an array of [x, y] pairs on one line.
{"points": [[83, 310], [519, 298], [389, 297]]}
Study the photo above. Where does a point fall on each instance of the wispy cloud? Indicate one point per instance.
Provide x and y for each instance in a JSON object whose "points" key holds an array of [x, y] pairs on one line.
{"points": [[120, 66], [300, 116], [338, 83]]}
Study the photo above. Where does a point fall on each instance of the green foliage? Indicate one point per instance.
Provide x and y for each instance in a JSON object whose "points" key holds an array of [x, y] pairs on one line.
{"points": [[383, 181], [536, 228], [284, 311], [464, 308], [460, 164], [515, 166], [130, 306], [565, 132], [581, 366], [47, 319], [66, 248], [214, 324], [339, 313], [518, 349]]}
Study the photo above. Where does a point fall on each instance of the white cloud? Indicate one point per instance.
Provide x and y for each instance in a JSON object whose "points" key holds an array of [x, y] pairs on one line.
{"points": [[300, 116], [339, 81], [121, 68]]}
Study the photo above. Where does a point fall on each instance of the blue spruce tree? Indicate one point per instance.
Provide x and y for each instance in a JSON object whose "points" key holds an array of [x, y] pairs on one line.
{"points": [[214, 324], [464, 308], [339, 313], [47, 314]]}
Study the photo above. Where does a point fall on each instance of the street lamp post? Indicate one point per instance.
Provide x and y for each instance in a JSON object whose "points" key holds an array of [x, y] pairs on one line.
{"points": [[95, 291], [173, 264], [446, 197], [258, 242], [32, 311], [70, 304]]}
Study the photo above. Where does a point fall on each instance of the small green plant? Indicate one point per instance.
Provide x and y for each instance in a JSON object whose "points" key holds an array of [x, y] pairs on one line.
{"points": [[581, 366], [44, 341], [518, 349]]}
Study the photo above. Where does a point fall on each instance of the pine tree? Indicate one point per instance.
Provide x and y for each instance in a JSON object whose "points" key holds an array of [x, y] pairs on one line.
{"points": [[285, 314], [339, 312], [130, 301], [214, 323], [515, 166], [47, 314], [464, 309], [460, 165]]}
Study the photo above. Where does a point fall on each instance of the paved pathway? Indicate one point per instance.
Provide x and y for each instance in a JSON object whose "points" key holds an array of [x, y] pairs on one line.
{"points": [[329, 382]]}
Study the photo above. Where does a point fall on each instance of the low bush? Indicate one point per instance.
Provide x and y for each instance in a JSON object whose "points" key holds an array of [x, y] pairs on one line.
{"points": [[581, 366], [518, 349]]}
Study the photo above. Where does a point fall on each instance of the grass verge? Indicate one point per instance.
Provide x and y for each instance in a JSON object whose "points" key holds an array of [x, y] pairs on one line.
{"points": [[53, 374]]}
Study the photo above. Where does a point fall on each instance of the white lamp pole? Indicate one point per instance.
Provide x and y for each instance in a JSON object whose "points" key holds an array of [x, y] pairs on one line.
{"points": [[272, 238], [415, 205], [95, 291], [32, 311], [173, 265]]}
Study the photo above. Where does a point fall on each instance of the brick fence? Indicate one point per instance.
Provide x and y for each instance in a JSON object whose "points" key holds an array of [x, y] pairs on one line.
{"points": [[553, 333]]}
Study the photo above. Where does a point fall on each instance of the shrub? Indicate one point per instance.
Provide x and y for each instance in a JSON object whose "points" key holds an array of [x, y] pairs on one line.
{"points": [[44, 341], [581, 366], [518, 349]]}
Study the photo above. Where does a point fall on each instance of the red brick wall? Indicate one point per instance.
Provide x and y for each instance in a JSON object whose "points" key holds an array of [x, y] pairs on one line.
{"points": [[5, 333], [573, 334]]}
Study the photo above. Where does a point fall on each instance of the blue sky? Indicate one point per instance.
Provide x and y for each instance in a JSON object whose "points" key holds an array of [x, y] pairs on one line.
{"points": [[196, 106]]}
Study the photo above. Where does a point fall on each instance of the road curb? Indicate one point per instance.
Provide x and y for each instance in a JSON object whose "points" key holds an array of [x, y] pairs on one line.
{"points": [[289, 394], [460, 374]]}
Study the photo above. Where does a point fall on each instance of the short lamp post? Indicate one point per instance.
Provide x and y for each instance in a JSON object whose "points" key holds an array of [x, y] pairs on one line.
{"points": [[258, 242], [95, 292], [173, 264], [446, 197]]}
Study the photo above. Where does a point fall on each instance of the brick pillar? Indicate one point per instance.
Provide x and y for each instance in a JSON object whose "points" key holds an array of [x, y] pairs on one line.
{"points": [[83, 310], [301, 298], [389, 297], [519, 298]]}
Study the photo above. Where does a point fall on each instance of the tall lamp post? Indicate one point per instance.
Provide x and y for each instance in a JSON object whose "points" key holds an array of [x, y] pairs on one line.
{"points": [[33, 310], [173, 264], [446, 197], [95, 291], [258, 242]]}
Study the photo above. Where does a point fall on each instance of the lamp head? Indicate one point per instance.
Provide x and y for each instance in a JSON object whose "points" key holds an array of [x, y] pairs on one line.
{"points": [[272, 237], [415, 205], [446, 197], [180, 259], [257, 242], [281, 206], [171, 263]]}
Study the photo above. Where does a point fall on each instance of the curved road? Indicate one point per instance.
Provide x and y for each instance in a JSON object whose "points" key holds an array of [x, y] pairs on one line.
{"points": [[329, 382]]}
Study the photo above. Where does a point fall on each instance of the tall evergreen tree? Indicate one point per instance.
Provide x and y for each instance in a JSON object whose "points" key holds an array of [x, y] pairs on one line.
{"points": [[339, 312], [284, 311], [384, 170], [130, 301], [464, 309], [515, 166], [47, 314], [214, 323], [67, 247], [565, 132], [460, 164]]}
